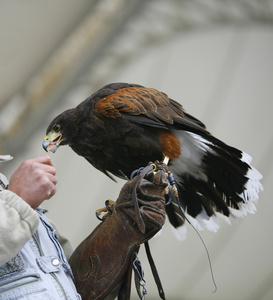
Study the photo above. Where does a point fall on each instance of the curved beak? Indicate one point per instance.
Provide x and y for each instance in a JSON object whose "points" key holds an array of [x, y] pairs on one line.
{"points": [[52, 141], [46, 143]]}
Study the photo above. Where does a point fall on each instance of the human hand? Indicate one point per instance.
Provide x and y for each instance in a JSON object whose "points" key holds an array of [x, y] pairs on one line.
{"points": [[34, 181]]}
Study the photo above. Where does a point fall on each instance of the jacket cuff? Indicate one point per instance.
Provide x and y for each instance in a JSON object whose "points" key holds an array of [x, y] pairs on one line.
{"points": [[24, 210]]}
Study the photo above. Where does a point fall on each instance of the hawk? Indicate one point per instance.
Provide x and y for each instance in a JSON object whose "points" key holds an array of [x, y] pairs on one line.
{"points": [[123, 127]]}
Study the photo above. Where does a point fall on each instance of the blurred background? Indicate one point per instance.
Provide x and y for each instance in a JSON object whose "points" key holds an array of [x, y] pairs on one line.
{"points": [[214, 57]]}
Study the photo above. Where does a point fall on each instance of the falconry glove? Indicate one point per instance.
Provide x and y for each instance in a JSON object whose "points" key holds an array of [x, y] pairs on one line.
{"points": [[102, 263]]}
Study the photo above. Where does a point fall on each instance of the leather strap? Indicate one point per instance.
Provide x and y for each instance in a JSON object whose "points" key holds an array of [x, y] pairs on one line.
{"points": [[139, 219], [141, 226], [154, 271]]}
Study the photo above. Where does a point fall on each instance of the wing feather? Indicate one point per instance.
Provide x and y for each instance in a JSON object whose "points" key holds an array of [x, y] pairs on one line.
{"points": [[145, 106]]}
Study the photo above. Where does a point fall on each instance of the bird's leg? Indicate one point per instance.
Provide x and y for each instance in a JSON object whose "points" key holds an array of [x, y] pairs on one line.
{"points": [[166, 160], [106, 209]]}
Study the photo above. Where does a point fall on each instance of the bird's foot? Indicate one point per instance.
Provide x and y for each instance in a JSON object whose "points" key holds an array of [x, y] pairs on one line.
{"points": [[107, 209]]}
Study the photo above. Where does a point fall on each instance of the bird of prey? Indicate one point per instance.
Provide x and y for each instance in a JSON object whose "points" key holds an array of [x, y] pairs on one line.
{"points": [[123, 127]]}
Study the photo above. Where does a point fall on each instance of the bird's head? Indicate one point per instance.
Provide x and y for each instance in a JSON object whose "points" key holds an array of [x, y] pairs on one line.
{"points": [[60, 131]]}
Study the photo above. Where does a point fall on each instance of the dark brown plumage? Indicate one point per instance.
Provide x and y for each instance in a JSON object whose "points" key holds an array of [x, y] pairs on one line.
{"points": [[122, 127]]}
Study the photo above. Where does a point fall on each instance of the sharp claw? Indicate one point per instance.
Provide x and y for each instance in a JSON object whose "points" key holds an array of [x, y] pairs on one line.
{"points": [[107, 205], [98, 216], [106, 209]]}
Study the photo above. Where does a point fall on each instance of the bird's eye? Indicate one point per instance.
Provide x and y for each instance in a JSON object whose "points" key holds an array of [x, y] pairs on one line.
{"points": [[56, 127]]}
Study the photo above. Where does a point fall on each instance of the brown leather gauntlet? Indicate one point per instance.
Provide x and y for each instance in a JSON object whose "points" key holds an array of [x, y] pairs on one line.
{"points": [[102, 262]]}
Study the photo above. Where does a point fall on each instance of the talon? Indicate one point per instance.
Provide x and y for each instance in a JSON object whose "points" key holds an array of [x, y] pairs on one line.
{"points": [[98, 216], [108, 204], [106, 209], [99, 212]]}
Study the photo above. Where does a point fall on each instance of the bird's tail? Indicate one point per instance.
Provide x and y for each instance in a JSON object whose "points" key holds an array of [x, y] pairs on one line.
{"points": [[213, 179]]}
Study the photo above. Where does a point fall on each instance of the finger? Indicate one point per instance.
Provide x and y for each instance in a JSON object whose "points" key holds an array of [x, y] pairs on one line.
{"points": [[53, 179], [52, 193], [48, 169], [50, 187], [44, 159]]}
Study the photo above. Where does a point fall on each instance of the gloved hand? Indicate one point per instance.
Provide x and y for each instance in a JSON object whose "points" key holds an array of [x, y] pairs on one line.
{"points": [[102, 262]]}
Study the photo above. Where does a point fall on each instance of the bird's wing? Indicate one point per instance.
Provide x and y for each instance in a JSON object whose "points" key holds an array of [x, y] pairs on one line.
{"points": [[146, 106]]}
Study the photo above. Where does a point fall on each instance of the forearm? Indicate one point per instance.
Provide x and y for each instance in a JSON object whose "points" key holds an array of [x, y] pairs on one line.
{"points": [[102, 262], [18, 221]]}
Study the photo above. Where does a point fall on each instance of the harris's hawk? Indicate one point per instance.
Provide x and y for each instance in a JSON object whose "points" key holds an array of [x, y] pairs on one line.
{"points": [[123, 127]]}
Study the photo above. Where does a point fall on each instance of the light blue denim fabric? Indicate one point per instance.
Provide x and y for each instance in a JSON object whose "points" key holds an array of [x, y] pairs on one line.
{"points": [[40, 270]]}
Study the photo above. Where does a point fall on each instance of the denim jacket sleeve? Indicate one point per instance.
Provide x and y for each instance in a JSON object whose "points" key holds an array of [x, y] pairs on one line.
{"points": [[18, 221]]}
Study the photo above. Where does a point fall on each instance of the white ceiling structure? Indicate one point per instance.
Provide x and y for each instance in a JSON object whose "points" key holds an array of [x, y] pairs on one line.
{"points": [[214, 57]]}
